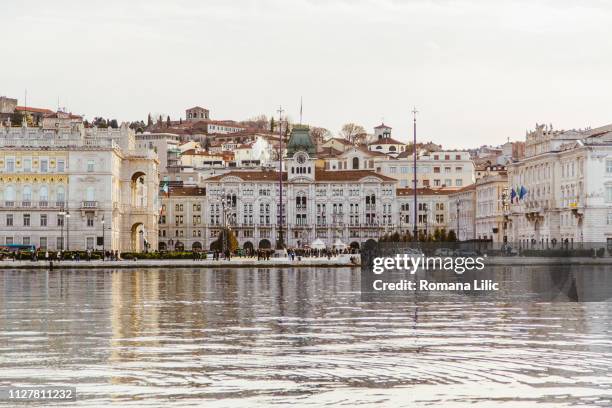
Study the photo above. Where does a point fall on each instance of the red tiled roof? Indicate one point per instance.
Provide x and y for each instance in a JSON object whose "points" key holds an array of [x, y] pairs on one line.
{"points": [[31, 109], [386, 141], [401, 192], [184, 192], [348, 175], [320, 175], [382, 125]]}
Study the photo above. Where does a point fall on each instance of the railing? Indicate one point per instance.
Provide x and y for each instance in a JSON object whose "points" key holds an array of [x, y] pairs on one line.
{"points": [[89, 204], [26, 204], [43, 204], [9, 203]]}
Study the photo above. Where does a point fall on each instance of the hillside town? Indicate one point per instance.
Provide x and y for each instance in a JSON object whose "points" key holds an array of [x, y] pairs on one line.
{"points": [[67, 183]]}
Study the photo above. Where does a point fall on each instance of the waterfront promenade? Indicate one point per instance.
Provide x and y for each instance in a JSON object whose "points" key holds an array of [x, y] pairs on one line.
{"points": [[235, 262]]}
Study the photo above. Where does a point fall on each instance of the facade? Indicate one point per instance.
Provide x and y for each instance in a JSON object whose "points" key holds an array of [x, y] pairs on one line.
{"points": [[443, 169], [77, 188], [432, 211], [384, 143], [335, 206], [566, 178], [197, 113], [462, 212], [491, 207]]}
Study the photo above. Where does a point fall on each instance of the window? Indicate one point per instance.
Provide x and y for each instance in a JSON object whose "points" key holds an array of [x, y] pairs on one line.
{"points": [[61, 194], [43, 193], [59, 243], [27, 193], [43, 220], [27, 165], [458, 182], [43, 243], [9, 240], [26, 240], [89, 194], [90, 220], [61, 166], [609, 166], [44, 166], [448, 182], [26, 220], [10, 164], [436, 169], [90, 243], [9, 220], [90, 166], [609, 194]]}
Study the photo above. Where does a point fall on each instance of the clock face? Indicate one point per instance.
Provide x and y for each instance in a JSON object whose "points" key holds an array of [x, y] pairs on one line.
{"points": [[301, 159]]}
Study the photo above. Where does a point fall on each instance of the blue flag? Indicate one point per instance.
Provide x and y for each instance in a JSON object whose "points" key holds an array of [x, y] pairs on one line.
{"points": [[522, 193]]}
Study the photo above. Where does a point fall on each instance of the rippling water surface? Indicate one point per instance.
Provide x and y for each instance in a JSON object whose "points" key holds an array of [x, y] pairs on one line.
{"points": [[260, 337]]}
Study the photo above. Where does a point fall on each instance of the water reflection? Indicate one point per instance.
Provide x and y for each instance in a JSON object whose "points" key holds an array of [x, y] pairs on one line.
{"points": [[254, 337]]}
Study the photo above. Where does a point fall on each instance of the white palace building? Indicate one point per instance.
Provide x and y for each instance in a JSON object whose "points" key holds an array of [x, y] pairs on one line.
{"points": [[343, 206], [77, 188], [567, 178]]}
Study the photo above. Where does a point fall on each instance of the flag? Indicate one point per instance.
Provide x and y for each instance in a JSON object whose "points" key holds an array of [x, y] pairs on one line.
{"points": [[512, 195], [165, 189], [522, 192]]}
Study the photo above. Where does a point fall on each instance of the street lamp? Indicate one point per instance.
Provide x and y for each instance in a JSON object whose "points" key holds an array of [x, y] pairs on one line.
{"points": [[67, 230], [457, 220], [103, 243], [63, 215]]}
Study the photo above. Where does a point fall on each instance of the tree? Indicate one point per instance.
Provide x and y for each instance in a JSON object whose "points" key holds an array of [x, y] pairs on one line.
{"points": [[272, 124], [232, 242], [113, 124], [350, 131], [100, 122], [320, 134], [451, 237], [16, 118]]}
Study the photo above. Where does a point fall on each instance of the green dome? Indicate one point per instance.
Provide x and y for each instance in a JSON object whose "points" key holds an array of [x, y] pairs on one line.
{"points": [[300, 140]]}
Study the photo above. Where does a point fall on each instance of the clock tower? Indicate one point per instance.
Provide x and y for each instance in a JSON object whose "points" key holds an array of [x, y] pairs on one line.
{"points": [[301, 152]]}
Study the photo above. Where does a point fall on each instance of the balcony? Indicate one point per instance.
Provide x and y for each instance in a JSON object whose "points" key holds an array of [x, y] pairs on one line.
{"points": [[26, 204], [89, 204], [9, 203], [43, 204]]}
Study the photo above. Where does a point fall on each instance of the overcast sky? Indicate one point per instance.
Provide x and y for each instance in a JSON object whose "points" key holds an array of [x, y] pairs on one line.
{"points": [[479, 71]]}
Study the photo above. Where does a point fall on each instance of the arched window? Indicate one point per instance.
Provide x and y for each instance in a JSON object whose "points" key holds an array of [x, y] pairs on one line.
{"points": [[43, 193], [27, 193], [355, 163], [9, 193], [392, 148], [61, 194]]}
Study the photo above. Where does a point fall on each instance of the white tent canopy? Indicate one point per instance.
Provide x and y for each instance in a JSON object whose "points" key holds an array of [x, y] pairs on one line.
{"points": [[339, 244], [317, 244]]}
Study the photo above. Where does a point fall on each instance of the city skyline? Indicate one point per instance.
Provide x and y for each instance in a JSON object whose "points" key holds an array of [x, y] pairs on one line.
{"points": [[241, 60]]}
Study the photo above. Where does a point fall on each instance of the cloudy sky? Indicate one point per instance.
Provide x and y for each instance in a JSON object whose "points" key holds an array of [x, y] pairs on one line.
{"points": [[478, 71]]}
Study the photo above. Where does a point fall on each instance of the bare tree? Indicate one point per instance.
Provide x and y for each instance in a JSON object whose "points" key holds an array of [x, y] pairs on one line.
{"points": [[351, 131], [320, 134]]}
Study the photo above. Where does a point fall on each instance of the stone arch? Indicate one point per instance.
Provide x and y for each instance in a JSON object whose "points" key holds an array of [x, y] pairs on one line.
{"points": [[265, 244], [138, 188], [355, 163], [248, 246], [162, 246], [354, 245], [138, 238], [179, 246], [196, 246]]}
